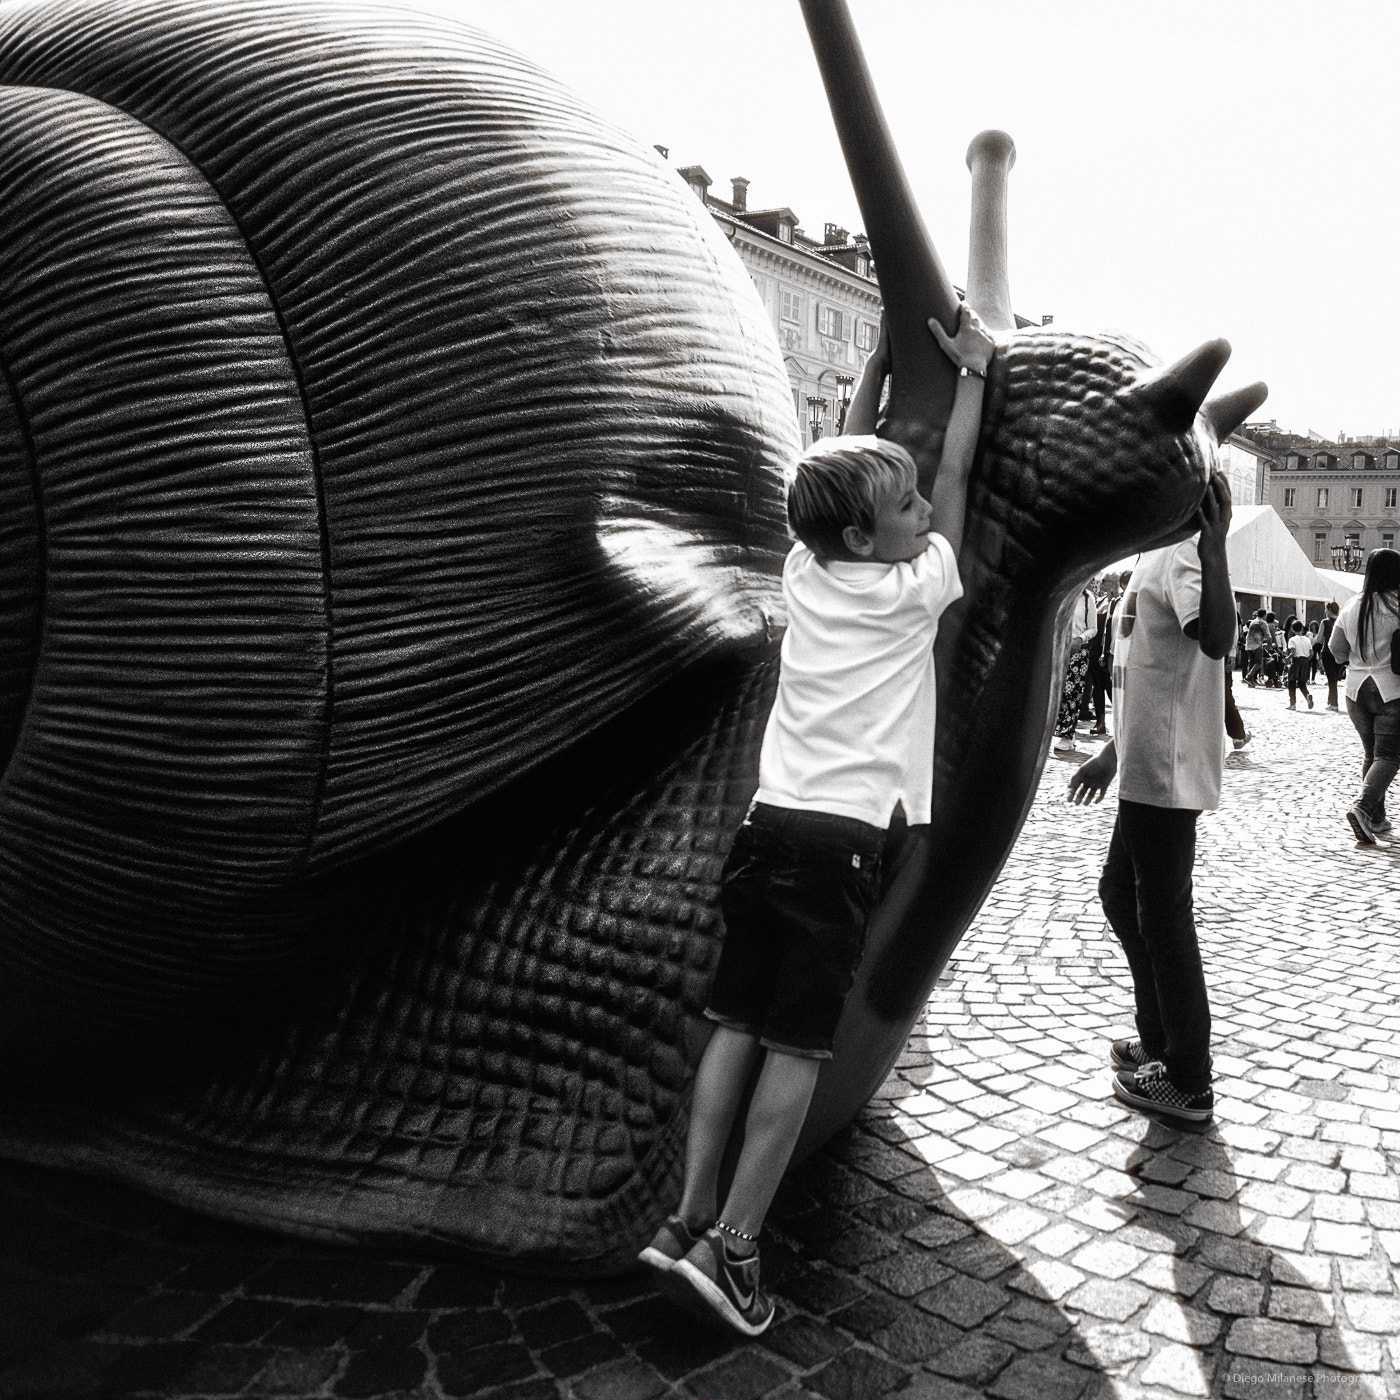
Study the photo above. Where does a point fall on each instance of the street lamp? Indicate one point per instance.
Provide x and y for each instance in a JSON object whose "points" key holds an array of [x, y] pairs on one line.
{"points": [[844, 384], [816, 415], [1347, 557]]}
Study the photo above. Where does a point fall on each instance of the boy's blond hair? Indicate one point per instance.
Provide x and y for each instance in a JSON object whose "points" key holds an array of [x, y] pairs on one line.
{"points": [[839, 482]]}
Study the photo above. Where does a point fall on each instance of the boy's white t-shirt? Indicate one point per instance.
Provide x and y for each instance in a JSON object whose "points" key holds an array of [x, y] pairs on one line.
{"points": [[851, 729], [1301, 644], [1168, 695]]}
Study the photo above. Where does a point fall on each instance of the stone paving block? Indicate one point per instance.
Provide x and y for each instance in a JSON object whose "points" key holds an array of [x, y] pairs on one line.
{"points": [[1382, 1188], [384, 1369], [1345, 1210], [974, 1359], [297, 1373], [1272, 1341], [1312, 1271], [162, 1315], [982, 1258], [1179, 1368], [627, 1380], [1300, 1305], [1278, 1234], [854, 1375], [1046, 1278], [1107, 1345], [914, 1336], [1223, 1217], [868, 1314], [1169, 1275], [1331, 1238], [743, 1376], [1239, 1296], [907, 1273], [1059, 1239], [1347, 1350], [1104, 1216], [470, 1372], [1245, 1378], [1108, 1258], [1114, 1300], [1038, 1378], [1273, 1199], [939, 1230], [1169, 1318], [1366, 1276], [1369, 1313], [963, 1301], [926, 1387]]}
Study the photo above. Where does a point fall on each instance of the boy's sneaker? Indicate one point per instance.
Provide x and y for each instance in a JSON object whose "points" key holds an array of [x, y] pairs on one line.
{"points": [[1128, 1054], [1240, 743], [715, 1285], [1381, 827], [671, 1243], [1149, 1089], [1361, 825]]}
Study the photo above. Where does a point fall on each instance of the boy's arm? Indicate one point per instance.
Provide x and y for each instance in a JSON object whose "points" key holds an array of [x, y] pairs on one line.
{"points": [[1214, 629], [864, 407], [971, 349]]}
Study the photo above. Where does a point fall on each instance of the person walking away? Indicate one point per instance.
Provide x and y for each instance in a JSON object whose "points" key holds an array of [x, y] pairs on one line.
{"points": [[1176, 628], [1364, 640], [1330, 666], [1099, 657], [1256, 634], [1299, 659], [847, 749], [1083, 624]]}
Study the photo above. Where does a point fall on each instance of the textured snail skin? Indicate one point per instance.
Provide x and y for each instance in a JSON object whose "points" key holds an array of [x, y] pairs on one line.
{"points": [[484, 555]]}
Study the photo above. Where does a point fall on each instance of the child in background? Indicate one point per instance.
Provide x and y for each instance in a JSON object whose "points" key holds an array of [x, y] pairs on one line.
{"points": [[1300, 650], [849, 743]]}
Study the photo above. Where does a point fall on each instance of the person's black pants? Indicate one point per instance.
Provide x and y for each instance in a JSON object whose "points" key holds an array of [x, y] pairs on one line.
{"points": [[1146, 893], [1334, 673]]}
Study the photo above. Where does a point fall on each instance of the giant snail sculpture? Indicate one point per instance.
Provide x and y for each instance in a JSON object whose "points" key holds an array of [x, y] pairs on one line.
{"points": [[392, 461]]}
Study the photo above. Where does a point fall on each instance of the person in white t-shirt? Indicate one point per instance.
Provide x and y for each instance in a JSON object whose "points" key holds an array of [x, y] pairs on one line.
{"points": [[1300, 648], [1362, 640], [1176, 626], [849, 742]]}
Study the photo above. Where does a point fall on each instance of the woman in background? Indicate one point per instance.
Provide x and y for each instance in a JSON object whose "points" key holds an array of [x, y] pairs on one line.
{"points": [[1363, 640]]}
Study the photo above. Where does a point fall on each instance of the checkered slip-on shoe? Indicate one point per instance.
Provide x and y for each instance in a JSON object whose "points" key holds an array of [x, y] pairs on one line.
{"points": [[1150, 1091], [671, 1243], [716, 1286], [1128, 1054]]}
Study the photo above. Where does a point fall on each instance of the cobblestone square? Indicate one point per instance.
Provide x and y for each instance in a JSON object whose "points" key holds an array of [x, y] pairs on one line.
{"points": [[994, 1223]]}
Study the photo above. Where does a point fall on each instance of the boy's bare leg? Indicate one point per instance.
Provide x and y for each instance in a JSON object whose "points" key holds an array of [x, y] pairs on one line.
{"points": [[719, 1086], [776, 1115]]}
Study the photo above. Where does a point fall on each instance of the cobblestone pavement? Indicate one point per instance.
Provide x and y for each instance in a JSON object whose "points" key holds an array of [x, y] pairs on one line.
{"points": [[994, 1223]]}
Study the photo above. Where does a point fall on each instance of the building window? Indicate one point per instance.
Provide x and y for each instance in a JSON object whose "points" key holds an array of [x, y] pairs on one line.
{"points": [[1290, 495], [1390, 497], [1356, 498], [1322, 498], [792, 306], [1388, 540], [1319, 547], [868, 335], [1352, 539], [863, 266], [785, 232], [830, 322]]}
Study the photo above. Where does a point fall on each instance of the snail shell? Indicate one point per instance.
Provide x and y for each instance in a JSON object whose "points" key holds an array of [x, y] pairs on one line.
{"points": [[375, 420]]}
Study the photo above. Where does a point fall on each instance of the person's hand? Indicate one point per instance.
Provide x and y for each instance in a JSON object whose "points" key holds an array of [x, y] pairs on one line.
{"points": [[971, 347], [1092, 778], [1213, 514]]}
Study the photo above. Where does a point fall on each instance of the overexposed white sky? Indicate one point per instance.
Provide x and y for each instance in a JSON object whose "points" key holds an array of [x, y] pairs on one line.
{"points": [[1184, 171]]}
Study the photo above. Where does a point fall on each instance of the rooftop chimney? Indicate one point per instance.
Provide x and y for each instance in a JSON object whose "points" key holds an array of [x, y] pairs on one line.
{"points": [[664, 151], [835, 236], [741, 194]]}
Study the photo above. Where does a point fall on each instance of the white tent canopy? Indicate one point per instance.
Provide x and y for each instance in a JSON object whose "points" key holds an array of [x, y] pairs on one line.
{"points": [[1265, 560]]}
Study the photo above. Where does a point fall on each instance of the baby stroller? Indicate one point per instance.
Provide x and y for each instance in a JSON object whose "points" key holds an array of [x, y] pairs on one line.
{"points": [[1273, 665]]}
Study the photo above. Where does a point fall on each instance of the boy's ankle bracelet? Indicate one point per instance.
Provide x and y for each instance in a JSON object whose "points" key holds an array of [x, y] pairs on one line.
{"points": [[738, 1234]]}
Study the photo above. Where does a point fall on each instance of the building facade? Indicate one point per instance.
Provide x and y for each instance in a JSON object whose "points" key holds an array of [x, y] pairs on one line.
{"points": [[822, 297], [1244, 464], [1333, 494]]}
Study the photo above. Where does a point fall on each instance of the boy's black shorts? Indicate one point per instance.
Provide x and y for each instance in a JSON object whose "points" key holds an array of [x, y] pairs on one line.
{"points": [[798, 889]]}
